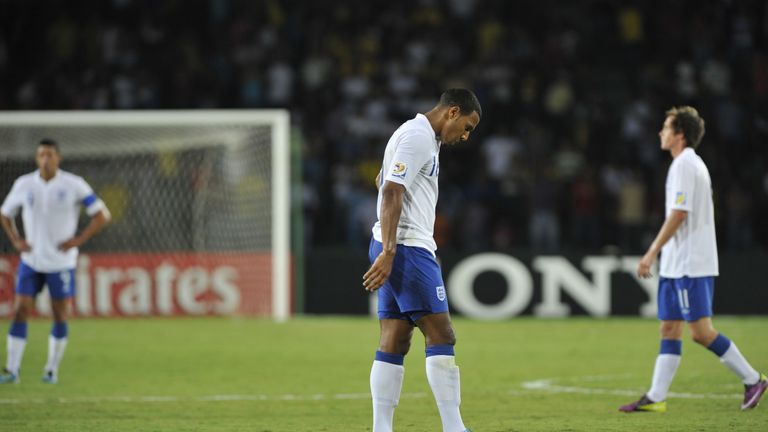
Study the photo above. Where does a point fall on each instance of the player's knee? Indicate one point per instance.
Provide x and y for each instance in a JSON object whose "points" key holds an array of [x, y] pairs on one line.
{"points": [[442, 338], [404, 347], [399, 347], [59, 313], [395, 343], [22, 313], [670, 330], [704, 338], [450, 336], [699, 339]]}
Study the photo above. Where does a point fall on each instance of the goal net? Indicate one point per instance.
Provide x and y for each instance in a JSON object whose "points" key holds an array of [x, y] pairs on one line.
{"points": [[199, 203]]}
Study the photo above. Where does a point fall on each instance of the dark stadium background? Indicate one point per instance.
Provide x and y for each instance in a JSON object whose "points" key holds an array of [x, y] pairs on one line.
{"points": [[566, 159]]}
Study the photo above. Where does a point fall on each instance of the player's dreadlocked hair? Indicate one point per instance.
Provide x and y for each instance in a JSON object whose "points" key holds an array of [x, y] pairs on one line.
{"points": [[462, 98], [686, 119]]}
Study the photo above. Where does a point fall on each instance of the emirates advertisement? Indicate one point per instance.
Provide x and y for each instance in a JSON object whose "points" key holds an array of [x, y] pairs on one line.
{"points": [[159, 284]]}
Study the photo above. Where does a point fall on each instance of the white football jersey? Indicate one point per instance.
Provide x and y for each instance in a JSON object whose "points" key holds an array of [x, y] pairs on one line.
{"points": [[411, 159], [50, 211], [692, 251]]}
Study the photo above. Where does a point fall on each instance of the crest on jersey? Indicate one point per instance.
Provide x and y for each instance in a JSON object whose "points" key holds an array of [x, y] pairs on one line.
{"points": [[399, 169], [680, 198], [440, 293]]}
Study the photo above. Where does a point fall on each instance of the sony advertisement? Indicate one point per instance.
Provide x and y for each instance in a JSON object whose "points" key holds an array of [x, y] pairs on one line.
{"points": [[493, 286]]}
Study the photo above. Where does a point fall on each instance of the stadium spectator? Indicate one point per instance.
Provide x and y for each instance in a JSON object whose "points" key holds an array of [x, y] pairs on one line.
{"points": [[586, 73]]}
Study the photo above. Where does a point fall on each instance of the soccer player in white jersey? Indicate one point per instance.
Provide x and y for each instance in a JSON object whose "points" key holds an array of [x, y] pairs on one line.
{"points": [[688, 267], [50, 200], [403, 268]]}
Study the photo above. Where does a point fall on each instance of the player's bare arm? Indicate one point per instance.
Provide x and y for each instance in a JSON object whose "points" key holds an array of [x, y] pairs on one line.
{"points": [[671, 225], [391, 207], [98, 221], [378, 181], [9, 226]]}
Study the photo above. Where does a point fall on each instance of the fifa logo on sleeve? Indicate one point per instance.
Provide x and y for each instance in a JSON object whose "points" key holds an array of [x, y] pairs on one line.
{"points": [[399, 169], [440, 293], [680, 198]]}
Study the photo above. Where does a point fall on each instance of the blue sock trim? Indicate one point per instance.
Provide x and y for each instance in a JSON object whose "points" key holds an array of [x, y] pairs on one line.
{"points": [[18, 329], [59, 330], [671, 346], [720, 345], [434, 350], [396, 359]]}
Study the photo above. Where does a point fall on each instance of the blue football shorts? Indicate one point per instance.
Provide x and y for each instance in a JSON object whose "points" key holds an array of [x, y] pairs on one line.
{"points": [[30, 282], [685, 298], [415, 287]]}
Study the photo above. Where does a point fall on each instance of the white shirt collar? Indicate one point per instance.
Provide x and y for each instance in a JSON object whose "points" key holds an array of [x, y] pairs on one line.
{"points": [[40, 178], [423, 118]]}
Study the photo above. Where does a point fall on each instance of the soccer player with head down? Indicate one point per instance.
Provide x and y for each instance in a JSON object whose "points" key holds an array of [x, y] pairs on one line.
{"points": [[50, 200], [688, 267], [411, 291]]}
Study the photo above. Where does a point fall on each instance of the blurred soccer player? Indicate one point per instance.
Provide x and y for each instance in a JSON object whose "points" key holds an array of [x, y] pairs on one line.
{"points": [[50, 201], [688, 266], [403, 268]]}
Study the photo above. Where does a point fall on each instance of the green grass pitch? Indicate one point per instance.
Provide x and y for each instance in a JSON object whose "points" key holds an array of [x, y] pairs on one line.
{"points": [[311, 374]]}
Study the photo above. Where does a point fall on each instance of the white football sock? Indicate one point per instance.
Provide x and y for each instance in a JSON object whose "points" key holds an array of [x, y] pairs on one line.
{"points": [[56, 349], [739, 365], [443, 377], [15, 348], [663, 373], [386, 383]]}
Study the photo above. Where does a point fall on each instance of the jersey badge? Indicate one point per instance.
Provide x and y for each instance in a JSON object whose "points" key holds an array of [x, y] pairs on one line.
{"points": [[399, 169], [680, 198], [440, 293]]}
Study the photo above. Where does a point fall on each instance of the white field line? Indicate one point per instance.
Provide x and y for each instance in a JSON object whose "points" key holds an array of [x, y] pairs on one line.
{"points": [[209, 398], [543, 385], [548, 385]]}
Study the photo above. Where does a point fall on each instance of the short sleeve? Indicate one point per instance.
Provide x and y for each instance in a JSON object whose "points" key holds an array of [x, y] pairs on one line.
{"points": [[412, 152], [87, 197], [13, 202], [681, 187]]}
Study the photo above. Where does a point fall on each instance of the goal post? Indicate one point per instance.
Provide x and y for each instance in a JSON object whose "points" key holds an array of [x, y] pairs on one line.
{"points": [[201, 199]]}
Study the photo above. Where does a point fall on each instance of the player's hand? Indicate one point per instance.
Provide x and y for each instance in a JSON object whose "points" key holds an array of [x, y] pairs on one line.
{"points": [[21, 245], [644, 266], [375, 277], [69, 244]]}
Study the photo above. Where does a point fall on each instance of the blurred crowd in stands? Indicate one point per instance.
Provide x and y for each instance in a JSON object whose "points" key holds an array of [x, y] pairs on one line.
{"points": [[573, 92]]}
